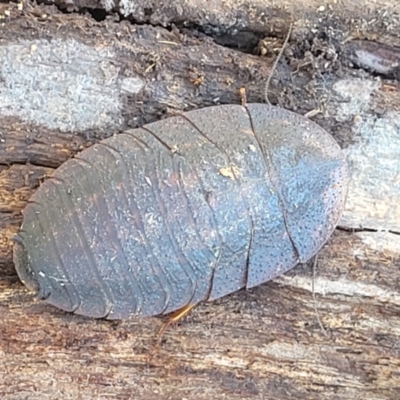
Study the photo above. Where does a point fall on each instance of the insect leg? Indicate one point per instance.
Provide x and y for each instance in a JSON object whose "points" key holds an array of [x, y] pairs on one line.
{"points": [[175, 317]]}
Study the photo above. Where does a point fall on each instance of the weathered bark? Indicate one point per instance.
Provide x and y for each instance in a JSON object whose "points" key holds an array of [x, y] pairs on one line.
{"points": [[67, 81]]}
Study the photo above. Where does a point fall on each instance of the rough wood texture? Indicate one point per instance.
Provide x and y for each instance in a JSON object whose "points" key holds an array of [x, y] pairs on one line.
{"points": [[67, 81]]}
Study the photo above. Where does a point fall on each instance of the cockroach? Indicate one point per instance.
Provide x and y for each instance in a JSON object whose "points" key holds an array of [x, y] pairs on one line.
{"points": [[180, 211]]}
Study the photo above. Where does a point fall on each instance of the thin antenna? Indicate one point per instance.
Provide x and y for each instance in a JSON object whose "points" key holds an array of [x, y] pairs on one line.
{"points": [[314, 298], [275, 64]]}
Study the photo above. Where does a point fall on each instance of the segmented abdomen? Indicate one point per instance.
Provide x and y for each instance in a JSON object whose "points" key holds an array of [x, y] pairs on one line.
{"points": [[186, 209]]}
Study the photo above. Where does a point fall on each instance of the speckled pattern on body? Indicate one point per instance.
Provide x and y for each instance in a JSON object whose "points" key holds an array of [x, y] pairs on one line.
{"points": [[186, 209]]}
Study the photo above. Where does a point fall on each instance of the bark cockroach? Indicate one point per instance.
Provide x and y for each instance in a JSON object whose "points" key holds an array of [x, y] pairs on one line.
{"points": [[183, 210]]}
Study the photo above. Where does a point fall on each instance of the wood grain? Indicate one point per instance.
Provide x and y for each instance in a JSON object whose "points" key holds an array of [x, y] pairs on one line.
{"points": [[268, 342]]}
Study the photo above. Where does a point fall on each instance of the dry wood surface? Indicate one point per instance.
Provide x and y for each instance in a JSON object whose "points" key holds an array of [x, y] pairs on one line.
{"points": [[74, 72]]}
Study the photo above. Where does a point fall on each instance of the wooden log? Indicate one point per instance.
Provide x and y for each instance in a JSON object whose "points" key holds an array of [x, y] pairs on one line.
{"points": [[67, 81]]}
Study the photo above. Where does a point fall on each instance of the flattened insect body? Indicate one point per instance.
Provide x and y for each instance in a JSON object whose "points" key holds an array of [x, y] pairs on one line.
{"points": [[183, 210]]}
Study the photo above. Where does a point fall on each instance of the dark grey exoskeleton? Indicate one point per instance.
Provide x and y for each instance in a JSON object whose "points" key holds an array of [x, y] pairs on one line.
{"points": [[186, 209]]}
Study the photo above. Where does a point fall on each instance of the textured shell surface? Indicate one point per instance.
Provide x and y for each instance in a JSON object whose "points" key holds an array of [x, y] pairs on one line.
{"points": [[183, 210]]}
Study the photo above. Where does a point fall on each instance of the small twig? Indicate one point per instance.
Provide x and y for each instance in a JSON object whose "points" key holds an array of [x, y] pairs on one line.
{"points": [[275, 64], [315, 299]]}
